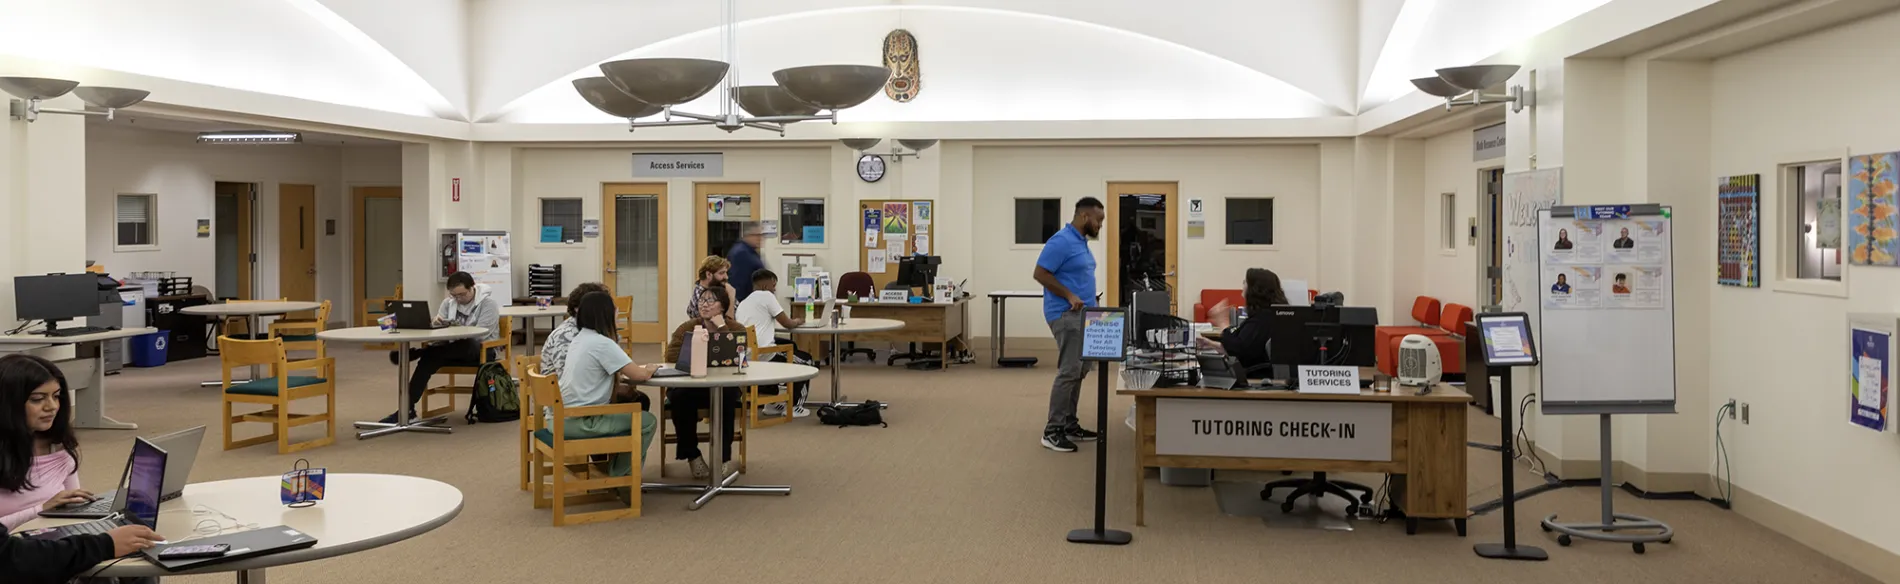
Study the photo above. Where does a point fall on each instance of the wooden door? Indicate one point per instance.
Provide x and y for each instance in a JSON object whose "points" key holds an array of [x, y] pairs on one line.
{"points": [[633, 225], [735, 205], [376, 240], [1167, 196], [297, 243]]}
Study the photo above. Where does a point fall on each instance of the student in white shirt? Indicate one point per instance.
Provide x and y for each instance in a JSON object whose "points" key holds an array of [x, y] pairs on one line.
{"points": [[762, 312], [594, 362]]}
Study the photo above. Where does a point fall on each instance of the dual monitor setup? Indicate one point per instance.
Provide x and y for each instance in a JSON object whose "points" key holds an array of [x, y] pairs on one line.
{"points": [[1323, 333], [56, 297]]}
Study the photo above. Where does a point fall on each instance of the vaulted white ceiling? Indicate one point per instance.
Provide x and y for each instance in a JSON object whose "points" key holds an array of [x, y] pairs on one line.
{"points": [[509, 60]]}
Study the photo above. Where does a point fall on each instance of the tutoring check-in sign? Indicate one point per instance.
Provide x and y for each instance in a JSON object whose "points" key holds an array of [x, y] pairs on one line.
{"points": [[1250, 428]]}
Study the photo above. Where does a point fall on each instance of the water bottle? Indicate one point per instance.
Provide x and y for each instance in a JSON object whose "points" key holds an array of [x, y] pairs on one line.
{"points": [[698, 366]]}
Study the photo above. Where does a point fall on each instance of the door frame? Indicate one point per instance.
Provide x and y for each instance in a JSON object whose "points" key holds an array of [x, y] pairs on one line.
{"points": [[1490, 212], [358, 233], [308, 227], [701, 190], [644, 333], [1170, 192]]}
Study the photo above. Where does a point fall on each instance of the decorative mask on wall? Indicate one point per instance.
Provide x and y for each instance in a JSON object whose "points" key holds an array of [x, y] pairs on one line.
{"points": [[900, 56]]}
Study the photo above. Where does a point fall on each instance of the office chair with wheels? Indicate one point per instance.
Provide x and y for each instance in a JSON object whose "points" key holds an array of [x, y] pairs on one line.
{"points": [[860, 283], [1318, 486]]}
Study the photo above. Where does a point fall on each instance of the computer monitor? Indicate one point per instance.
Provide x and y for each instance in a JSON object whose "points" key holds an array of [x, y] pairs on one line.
{"points": [[55, 297], [918, 271], [1320, 334], [144, 483]]}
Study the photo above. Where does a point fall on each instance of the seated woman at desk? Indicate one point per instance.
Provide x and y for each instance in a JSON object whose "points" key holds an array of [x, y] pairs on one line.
{"points": [[685, 403], [554, 349], [1247, 341], [593, 361]]}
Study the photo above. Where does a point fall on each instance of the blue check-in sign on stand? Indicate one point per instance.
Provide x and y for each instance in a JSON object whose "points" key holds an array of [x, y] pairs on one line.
{"points": [[1104, 334]]}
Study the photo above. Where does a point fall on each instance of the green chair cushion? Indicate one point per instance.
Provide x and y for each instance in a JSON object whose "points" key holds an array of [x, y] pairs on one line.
{"points": [[547, 436], [268, 385]]}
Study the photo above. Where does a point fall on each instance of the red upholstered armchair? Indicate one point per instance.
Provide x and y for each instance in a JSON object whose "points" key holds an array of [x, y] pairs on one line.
{"points": [[1449, 337], [1213, 296]]}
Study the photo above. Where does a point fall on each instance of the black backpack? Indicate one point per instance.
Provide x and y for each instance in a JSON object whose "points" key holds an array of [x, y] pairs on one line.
{"points": [[495, 397], [868, 413]]}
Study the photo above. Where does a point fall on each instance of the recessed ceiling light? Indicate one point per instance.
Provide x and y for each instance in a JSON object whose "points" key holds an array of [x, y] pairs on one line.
{"points": [[250, 137]]}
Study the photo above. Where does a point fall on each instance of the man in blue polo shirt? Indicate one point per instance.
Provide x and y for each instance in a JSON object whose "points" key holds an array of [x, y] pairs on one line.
{"points": [[1066, 271]]}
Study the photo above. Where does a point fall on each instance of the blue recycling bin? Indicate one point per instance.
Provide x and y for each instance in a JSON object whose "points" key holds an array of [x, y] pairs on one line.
{"points": [[150, 350]]}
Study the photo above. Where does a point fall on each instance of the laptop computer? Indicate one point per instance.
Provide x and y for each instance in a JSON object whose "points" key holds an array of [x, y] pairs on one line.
{"points": [[824, 315], [722, 350], [1222, 372], [181, 449], [247, 544], [414, 314], [144, 478]]}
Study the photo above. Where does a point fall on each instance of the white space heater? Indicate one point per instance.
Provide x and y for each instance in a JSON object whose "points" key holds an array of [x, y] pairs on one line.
{"points": [[1418, 361]]}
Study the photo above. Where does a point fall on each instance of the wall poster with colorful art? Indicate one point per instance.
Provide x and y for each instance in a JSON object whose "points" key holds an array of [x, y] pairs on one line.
{"points": [[1738, 231], [1872, 237]]}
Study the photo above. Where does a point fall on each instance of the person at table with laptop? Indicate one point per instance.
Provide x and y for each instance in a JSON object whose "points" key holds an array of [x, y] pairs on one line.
{"points": [[1246, 340], [593, 362], [468, 304], [765, 315], [39, 465], [685, 403], [134, 521]]}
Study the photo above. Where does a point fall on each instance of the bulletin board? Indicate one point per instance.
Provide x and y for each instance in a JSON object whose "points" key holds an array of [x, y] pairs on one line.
{"points": [[901, 226]]}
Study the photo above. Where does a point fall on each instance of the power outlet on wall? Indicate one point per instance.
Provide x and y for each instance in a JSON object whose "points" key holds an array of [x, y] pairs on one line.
{"points": [[1744, 412], [1731, 408]]}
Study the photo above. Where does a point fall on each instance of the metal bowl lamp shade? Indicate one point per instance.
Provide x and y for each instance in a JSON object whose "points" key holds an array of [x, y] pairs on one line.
{"points": [[1477, 77], [36, 87], [666, 81], [861, 144], [601, 93], [111, 97], [769, 101], [917, 144], [1437, 87], [833, 87]]}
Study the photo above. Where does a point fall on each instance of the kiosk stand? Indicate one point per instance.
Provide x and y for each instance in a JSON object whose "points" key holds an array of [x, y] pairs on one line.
{"points": [[1103, 341], [1507, 343]]}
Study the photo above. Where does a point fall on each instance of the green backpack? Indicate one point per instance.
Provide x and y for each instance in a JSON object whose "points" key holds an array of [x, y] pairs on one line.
{"points": [[496, 398]]}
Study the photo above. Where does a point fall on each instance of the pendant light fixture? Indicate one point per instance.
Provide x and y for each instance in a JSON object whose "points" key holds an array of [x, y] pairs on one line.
{"points": [[651, 86], [1461, 86], [33, 90]]}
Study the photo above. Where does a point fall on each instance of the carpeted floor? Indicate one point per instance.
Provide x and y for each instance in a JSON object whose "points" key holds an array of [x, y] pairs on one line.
{"points": [[955, 490]]}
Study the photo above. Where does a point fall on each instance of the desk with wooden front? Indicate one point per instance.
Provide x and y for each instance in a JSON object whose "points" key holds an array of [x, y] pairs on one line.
{"points": [[1419, 439], [928, 322]]}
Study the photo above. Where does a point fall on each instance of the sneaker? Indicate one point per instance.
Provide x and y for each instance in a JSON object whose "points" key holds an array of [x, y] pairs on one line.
{"points": [[773, 410], [393, 359], [727, 468], [801, 412], [700, 468], [1058, 443], [391, 418], [1078, 434]]}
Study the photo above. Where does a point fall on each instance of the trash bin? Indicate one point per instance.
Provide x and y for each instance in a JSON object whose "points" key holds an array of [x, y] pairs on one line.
{"points": [[150, 350]]}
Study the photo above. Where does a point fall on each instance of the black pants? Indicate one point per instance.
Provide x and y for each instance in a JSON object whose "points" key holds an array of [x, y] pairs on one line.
{"points": [[686, 404], [430, 359], [802, 389]]}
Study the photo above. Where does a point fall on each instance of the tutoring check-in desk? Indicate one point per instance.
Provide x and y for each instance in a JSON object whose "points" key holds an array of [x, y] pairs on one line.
{"points": [[85, 375], [928, 322], [1419, 439]]}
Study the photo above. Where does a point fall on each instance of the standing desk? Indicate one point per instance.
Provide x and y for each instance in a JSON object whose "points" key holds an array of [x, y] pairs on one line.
{"points": [[1426, 458], [928, 322], [85, 374]]}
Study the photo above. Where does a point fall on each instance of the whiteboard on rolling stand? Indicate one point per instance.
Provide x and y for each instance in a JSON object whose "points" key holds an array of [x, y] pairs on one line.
{"points": [[1607, 294]]}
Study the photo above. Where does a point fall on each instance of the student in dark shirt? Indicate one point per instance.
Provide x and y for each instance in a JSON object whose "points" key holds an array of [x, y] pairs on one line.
{"points": [[1247, 341]]}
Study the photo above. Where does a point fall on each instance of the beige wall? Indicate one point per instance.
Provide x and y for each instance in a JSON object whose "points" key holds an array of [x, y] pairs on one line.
{"points": [[1450, 275]]}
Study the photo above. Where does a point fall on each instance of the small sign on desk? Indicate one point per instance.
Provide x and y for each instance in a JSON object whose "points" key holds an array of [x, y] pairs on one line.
{"points": [[893, 296], [1329, 379]]}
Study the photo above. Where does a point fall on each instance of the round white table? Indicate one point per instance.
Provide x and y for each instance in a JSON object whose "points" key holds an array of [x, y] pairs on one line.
{"points": [[253, 313], [848, 327], [760, 373], [527, 314], [402, 338], [358, 512]]}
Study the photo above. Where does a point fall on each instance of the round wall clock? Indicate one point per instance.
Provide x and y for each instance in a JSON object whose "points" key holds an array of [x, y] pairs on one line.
{"points": [[871, 167]]}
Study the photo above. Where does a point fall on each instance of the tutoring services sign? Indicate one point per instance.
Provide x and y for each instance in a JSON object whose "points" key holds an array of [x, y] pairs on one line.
{"points": [[1273, 429]]}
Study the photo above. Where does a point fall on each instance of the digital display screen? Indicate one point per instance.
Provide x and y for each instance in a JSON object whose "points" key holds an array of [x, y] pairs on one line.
{"points": [[1507, 339]]}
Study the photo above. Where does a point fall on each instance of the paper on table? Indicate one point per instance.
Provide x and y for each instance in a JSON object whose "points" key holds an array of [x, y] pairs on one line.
{"points": [[874, 261]]}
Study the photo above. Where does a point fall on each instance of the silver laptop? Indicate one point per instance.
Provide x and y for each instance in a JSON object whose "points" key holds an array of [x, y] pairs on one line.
{"points": [[182, 449], [824, 315]]}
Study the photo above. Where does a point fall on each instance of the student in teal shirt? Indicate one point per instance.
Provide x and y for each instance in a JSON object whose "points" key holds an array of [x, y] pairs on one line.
{"points": [[594, 361], [1066, 271]]}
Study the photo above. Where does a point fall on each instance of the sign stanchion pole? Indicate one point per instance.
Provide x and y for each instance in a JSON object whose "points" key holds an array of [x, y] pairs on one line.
{"points": [[1101, 534]]}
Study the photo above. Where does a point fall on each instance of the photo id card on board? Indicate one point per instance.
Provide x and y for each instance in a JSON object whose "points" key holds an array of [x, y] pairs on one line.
{"points": [[1104, 334]]}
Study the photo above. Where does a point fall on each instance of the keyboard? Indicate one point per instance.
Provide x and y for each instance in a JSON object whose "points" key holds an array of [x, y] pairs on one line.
{"points": [[77, 331], [90, 527], [100, 505]]}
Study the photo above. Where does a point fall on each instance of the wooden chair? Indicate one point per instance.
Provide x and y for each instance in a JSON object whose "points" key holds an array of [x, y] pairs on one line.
{"points": [[301, 334], [372, 309], [276, 391], [557, 482], [623, 321], [755, 397], [668, 437], [523, 365], [504, 353], [234, 323]]}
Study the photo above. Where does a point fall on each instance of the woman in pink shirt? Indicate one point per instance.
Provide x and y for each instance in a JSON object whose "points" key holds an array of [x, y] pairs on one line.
{"points": [[39, 455]]}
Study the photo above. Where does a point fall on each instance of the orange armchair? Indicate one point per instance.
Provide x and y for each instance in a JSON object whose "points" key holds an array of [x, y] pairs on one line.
{"points": [[1449, 337]]}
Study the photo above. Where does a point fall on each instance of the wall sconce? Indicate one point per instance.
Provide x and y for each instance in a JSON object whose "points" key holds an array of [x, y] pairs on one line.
{"points": [[35, 89], [916, 146], [1462, 86]]}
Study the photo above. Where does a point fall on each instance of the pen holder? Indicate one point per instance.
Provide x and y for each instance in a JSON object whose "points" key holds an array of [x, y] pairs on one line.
{"points": [[302, 486]]}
